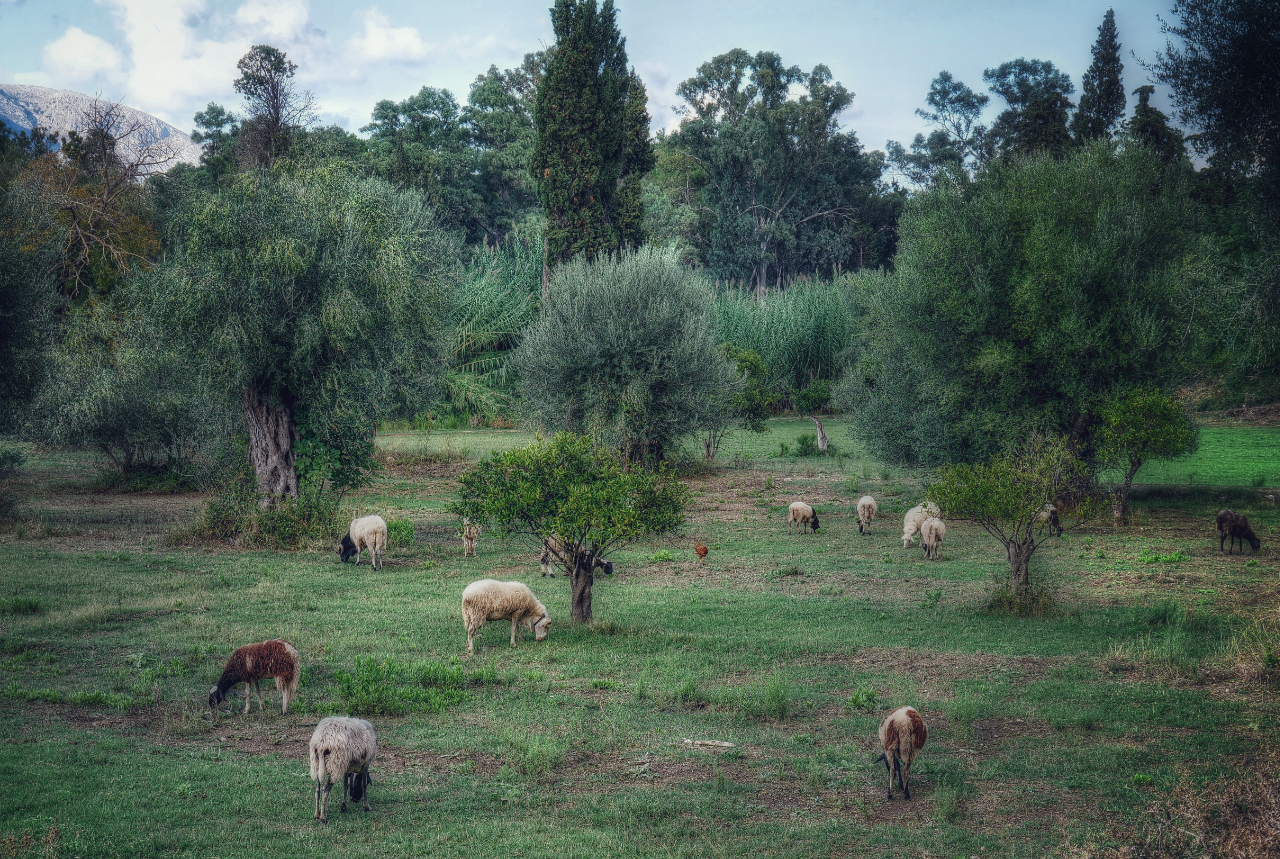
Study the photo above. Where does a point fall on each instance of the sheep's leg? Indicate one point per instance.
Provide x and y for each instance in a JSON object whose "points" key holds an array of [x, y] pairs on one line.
{"points": [[904, 779], [471, 633], [317, 814], [346, 782], [248, 695], [366, 790], [891, 763], [515, 622], [324, 804]]}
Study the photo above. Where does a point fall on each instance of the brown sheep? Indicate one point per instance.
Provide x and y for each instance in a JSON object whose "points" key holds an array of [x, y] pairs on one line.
{"points": [[1235, 526], [902, 734], [253, 662]]}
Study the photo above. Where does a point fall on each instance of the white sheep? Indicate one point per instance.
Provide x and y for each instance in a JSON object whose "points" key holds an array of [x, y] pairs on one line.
{"points": [[253, 662], [802, 516], [367, 533], [902, 734], [1048, 518], [490, 599], [342, 748], [866, 513], [932, 533], [915, 518]]}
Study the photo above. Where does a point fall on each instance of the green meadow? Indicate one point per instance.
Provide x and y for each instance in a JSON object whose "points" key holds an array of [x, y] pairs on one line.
{"points": [[789, 649]]}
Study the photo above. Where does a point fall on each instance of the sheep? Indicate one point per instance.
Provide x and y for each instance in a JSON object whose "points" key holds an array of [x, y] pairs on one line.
{"points": [[470, 534], [1048, 518], [249, 664], [489, 599], [932, 533], [902, 734], [1235, 526], [802, 516], [866, 512], [915, 518], [367, 533], [554, 548], [342, 748]]}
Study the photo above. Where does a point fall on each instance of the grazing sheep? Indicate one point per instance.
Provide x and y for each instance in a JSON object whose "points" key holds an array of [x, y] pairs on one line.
{"points": [[915, 518], [1235, 526], [802, 516], [1048, 518], [249, 664], [932, 533], [489, 599], [367, 533], [866, 513], [342, 748], [470, 534], [554, 548], [902, 734]]}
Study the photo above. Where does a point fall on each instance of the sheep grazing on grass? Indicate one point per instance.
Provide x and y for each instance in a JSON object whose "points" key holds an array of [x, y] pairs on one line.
{"points": [[932, 533], [915, 518], [554, 548], [470, 535], [253, 662], [1048, 518], [1235, 526], [902, 734], [490, 599], [342, 749], [367, 533], [803, 517], [866, 513]]}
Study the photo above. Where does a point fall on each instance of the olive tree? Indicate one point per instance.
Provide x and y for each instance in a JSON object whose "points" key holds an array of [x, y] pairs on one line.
{"points": [[1007, 495], [302, 291], [578, 491], [1139, 427], [626, 351]]}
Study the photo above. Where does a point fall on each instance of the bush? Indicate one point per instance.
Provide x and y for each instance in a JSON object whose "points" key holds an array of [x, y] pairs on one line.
{"points": [[11, 459], [399, 533], [626, 351]]}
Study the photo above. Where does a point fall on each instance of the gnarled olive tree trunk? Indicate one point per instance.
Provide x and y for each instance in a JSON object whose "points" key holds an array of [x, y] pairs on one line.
{"points": [[1020, 566], [271, 437], [1121, 505]]}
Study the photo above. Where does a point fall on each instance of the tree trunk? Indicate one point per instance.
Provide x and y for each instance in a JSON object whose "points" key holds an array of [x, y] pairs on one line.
{"points": [[1121, 506], [271, 438], [582, 578], [822, 433], [1020, 567], [546, 275]]}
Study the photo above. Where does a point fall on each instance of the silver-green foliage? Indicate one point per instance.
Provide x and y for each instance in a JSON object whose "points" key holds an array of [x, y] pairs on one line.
{"points": [[29, 247], [803, 333], [311, 285], [627, 351]]}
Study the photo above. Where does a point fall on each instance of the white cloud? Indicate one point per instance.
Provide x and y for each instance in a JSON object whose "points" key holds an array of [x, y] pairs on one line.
{"points": [[381, 42], [78, 58], [279, 20]]}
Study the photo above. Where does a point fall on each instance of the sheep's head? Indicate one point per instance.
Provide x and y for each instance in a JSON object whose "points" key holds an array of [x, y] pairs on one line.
{"points": [[347, 548], [216, 697], [607, 566], [1255, 543], [815, 522], [541, 627]]}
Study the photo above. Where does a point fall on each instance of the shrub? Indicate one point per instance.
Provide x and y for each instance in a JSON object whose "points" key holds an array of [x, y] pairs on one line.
{"points": [[863, 698], [393, 688], [400, 533], [626, 351]]}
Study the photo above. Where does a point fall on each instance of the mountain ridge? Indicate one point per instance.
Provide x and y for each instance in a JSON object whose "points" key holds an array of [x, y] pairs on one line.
{"points": [[23, 107]]}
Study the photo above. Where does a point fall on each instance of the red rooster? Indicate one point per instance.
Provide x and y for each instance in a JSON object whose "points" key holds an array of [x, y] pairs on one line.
{"points": [[700, 549]]}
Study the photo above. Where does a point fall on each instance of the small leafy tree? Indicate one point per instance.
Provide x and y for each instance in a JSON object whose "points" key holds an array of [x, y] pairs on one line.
{"points": [[750, 406], [1007, 495], [578, 491], [626, 351], [1139, 427]]}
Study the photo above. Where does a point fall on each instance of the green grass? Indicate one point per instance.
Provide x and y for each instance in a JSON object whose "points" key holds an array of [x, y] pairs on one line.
{"points": [[1228, 456], [790, 648]]}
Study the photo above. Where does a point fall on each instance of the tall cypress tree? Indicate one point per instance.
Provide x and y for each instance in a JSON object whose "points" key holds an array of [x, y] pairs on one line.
{"points": [[1102, 102], [580, 117], [638, 158]]}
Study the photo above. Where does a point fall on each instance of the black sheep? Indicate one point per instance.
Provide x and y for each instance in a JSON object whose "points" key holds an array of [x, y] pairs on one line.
{"points": [[1235, 526]]}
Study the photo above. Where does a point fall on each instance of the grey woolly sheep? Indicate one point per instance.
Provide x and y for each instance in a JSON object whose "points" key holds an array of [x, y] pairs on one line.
{"points": [[866, 513], [369, 533], [914, 518], [932, 533], [342, 748]]}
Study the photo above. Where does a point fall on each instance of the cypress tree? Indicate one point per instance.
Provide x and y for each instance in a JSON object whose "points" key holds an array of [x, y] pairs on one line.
{"points": [[638, 158], [1102, 102], [579, 114]]}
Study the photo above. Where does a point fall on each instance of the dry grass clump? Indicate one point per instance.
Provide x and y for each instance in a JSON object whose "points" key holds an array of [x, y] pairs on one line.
{"points": [[1255, 651], [411, 459], [1234, 817]]}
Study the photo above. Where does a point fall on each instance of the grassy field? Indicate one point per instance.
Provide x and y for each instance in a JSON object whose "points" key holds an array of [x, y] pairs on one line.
{"points": [[1236, 456], [790, 648]]}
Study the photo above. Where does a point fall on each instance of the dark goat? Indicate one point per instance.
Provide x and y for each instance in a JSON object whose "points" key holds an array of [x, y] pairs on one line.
{"points": [[1235, 526]]}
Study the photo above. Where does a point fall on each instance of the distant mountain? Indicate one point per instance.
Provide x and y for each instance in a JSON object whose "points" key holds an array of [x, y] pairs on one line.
{"points": [[61, 110]]}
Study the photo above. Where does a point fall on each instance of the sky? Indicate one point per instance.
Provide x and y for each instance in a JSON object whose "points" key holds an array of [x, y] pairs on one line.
{"points": [[170, 58]]}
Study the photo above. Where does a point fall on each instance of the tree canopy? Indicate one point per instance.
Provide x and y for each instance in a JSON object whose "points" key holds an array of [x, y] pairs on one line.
{"points": [[1036, 118], [1102, 88], [574, 490]]}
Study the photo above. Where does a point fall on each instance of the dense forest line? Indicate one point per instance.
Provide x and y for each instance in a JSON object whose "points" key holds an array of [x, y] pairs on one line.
{"points": [[535, 253]]}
